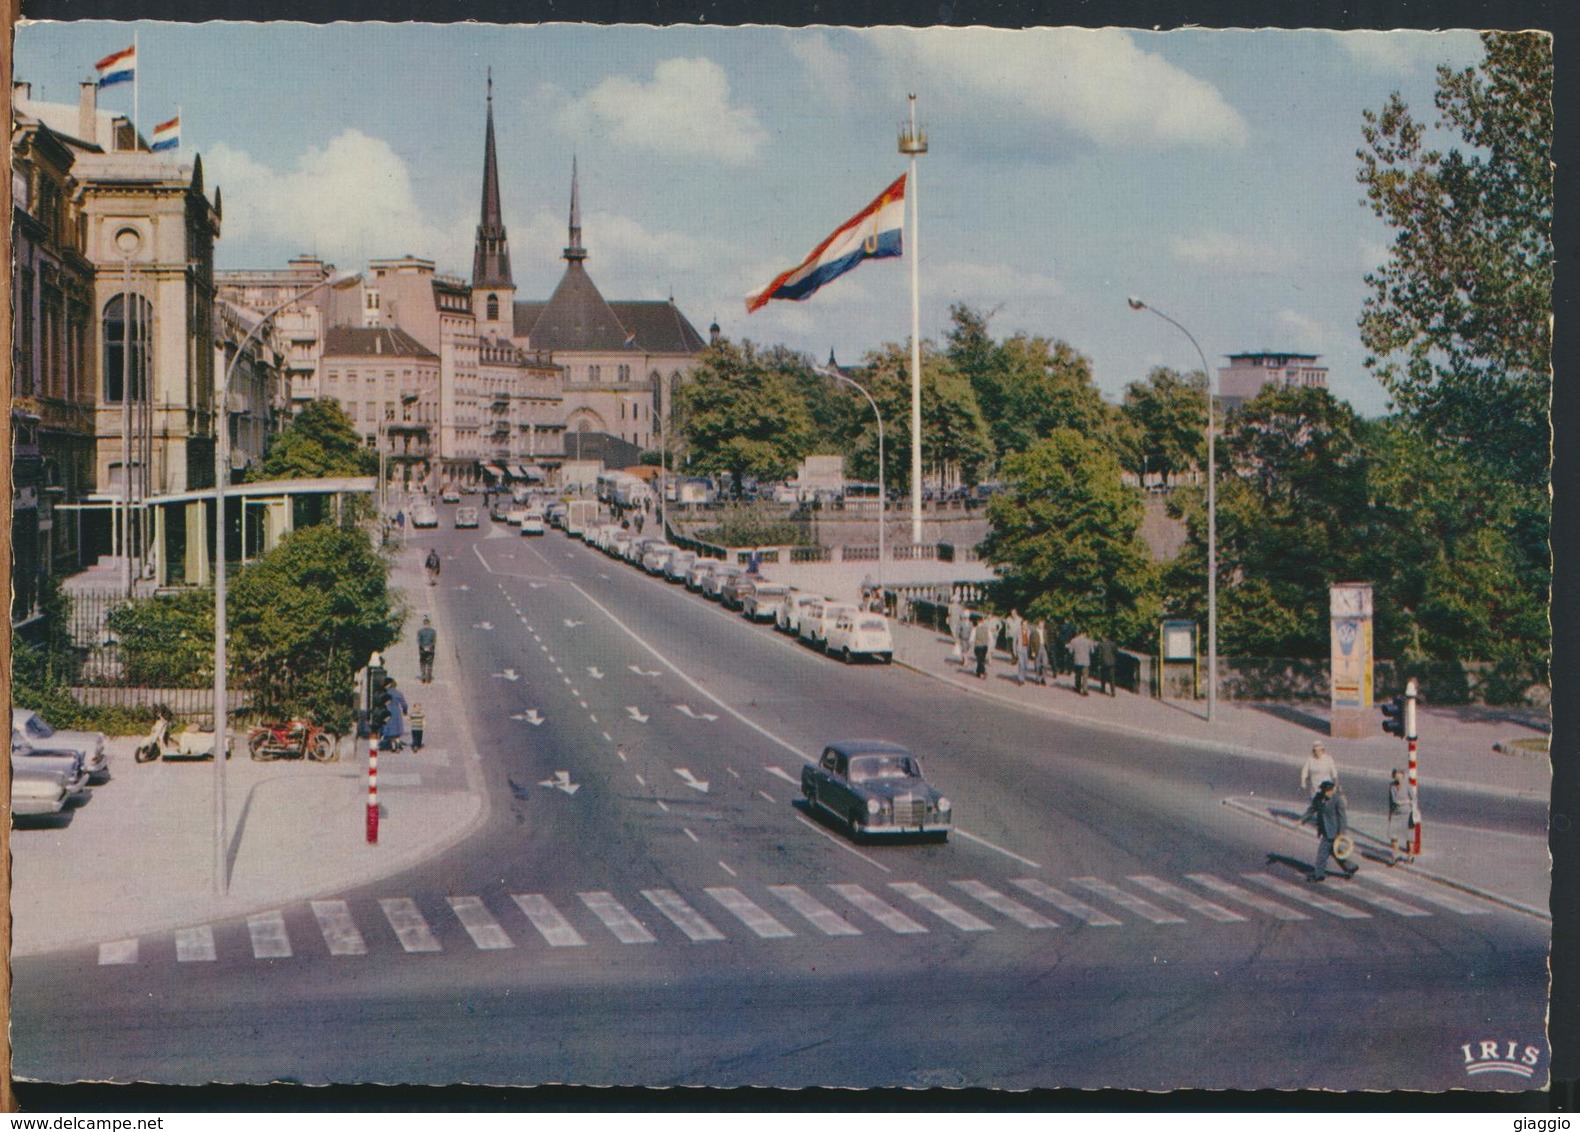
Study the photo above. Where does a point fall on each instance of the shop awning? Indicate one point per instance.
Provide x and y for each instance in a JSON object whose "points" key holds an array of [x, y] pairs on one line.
{"points": [[494, 470], [529, 472]]}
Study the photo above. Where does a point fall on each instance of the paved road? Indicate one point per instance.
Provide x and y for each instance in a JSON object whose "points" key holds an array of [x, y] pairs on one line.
{"points": [[647, 902]]}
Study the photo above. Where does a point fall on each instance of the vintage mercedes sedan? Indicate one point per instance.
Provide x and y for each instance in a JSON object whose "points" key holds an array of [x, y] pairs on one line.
{"points": [[876, 788]]}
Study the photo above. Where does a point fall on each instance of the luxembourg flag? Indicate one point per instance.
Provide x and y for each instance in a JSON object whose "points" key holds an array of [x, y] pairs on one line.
{"points": [[167, 135], [118, 68], [873, 233]]}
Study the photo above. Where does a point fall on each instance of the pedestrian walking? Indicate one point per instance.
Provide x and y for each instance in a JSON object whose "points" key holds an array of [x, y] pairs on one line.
{"points": [[1061, 658], [981, 641], [1107, 664], [962, 628], [418, 722], [1081, 660], [1401, 814], [1020, 633], [395, 725], [1318, 768], [427, 644], [1327, 812], [1037, 650], [432, 565]]}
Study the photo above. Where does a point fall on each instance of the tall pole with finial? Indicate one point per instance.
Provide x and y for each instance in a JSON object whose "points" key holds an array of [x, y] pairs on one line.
{"points": [[912, 142]]}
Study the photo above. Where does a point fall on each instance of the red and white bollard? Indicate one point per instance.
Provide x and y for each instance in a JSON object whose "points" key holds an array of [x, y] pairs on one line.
{"points": [[1415, 803], [373, 790]]}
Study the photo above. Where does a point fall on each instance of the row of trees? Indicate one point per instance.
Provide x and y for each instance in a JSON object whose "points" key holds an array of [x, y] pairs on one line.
{"points": [[1443, 505]]}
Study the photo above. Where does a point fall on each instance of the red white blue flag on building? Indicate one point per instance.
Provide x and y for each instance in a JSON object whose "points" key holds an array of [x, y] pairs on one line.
{"points": [[167, 135], [120, 67], [873, 233]]}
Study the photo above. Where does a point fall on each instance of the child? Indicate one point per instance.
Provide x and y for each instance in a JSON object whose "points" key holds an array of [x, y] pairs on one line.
{"points": [[417, 721], [1401, 805]]}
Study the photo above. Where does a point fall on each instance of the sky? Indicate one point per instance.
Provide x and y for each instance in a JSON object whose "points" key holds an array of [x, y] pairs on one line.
{"points": [[1210, 173]]}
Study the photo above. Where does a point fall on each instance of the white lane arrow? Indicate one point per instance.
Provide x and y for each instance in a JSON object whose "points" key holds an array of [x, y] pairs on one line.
{"points": [[531, 716], [694, 783], [636, 714], [595, 674], [640, 671], [463, 586], [780, 772], [569, 624], [535, 585], [484, 625], [685, 710], [561, 781], [605, 577], [507, 674]]}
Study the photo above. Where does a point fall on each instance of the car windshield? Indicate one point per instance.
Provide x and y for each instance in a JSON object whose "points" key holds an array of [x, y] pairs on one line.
{"points": [[872, 768]]}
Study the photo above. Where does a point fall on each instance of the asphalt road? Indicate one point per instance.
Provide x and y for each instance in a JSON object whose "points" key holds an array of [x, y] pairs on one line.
{"points": [[648, 903]]}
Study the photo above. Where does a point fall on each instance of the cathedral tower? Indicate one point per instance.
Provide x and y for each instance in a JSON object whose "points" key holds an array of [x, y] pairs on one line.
{"points": [[493, 289]]}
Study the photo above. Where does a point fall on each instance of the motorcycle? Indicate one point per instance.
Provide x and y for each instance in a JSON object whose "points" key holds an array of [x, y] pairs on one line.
{"points": [[294, 740]]}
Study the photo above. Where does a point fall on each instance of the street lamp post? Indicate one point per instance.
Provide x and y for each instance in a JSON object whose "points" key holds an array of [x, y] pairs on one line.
{"points": [[222, 456], [883, 487], [1212, 515]]}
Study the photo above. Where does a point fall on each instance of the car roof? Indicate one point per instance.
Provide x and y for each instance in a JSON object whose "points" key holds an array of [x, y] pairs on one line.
{"points": [[849, 747]]}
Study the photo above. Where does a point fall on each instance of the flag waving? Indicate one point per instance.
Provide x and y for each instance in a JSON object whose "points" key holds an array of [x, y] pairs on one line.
{"points": [[167, 135], [873, 233], [120, 67]]}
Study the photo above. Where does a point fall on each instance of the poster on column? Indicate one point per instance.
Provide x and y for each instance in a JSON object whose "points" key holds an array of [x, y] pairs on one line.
{"points": [[1350, 609]]}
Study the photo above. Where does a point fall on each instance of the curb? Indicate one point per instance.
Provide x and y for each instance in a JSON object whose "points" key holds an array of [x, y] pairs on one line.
{"points": [[1408, 866]]}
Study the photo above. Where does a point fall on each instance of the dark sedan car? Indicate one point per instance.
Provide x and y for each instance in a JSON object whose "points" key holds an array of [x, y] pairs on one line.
{"points": [[876, 788]]}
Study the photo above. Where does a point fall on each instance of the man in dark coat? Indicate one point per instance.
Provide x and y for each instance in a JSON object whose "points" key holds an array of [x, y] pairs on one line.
{"points": [[1327, 811], [1107, 664]]}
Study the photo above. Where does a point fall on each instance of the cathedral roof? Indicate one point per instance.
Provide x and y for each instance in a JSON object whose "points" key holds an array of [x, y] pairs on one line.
{"points": [[370, 341]]}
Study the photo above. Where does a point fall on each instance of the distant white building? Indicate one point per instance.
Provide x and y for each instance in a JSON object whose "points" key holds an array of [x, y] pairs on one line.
{"points": [[1246, 375]]}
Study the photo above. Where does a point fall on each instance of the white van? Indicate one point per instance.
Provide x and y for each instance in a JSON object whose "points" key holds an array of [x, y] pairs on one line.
{"points": [[856, 633]]}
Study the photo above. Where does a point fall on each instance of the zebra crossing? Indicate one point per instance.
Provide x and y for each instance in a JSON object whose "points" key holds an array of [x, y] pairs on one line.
{"points": [[789, 911]]}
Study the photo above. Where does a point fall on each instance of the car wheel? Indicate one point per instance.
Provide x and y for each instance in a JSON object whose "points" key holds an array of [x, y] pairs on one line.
{"points": [[845, 656], [855, 825], [887, 658]]}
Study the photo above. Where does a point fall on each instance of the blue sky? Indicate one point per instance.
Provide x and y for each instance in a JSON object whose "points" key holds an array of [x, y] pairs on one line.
{"points": [[1212, 173]]}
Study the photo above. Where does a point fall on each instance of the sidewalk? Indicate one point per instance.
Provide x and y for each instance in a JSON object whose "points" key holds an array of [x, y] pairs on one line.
{"points": [[1471, 748], [138, 857]]}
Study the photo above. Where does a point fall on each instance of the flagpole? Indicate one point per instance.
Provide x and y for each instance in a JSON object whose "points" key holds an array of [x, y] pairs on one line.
{"points": [[913, 142], [137, 65]]}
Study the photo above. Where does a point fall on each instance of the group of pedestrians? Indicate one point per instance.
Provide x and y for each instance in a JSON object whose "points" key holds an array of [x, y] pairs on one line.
{"points": [[1040, 654], [1327, 811]]}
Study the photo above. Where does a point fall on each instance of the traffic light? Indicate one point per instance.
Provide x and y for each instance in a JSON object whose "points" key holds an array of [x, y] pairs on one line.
{"points": [[378, 699], [1393, 717]]}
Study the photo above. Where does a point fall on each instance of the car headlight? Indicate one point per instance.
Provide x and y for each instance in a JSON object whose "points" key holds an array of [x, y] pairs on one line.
{"points": [[943, 805], [874, 806]]}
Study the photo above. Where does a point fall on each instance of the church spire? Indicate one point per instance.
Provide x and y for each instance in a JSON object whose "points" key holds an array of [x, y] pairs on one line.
{"points": [[491, 258], [575, 252]]}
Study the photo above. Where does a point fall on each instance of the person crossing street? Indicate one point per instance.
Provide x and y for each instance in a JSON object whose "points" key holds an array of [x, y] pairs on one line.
{"points": [[1327, 812], [427, 644]]}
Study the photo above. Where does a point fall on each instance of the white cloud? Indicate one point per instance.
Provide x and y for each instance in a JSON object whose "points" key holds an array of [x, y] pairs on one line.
{"points": [[348, 201], [684, 111], [1302, 332], [987, 285], [1229, 254], [1395, 51], [828, 71], [1098, 83]]}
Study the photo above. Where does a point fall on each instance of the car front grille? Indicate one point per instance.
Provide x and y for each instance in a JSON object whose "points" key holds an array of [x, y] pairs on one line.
{"points": [[909, 810]]}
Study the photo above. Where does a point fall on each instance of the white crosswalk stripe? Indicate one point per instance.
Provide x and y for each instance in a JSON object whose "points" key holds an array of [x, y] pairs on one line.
{"points": [[1424, 892], [1065, 902], [1143, 908], [821, 916], [1195, 903], [195, 945], [749, 913], [1291, 890], [410, 927], [938, 906], [1387, 903], [118, 952], [338, 928], [891, 918], [682, 915], [1014, 909], [1246, 896], [626, 927], [553, 927], [479, 923], [269, 939]]}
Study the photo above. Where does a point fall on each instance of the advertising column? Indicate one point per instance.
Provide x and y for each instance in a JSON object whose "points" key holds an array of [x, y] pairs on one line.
{"points": [[1350, 613]]}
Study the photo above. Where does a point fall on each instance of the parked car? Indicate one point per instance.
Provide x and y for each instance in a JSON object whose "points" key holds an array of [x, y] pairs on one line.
{"points": [[424, 515], [876, 788], [697, 576], [787, 617], [450, 495], [37, 791], [656, 557], [713, 584], [639, 548], [29, 733], [764, 600], [619, 543], [60, 761], [532, 523], [818, 617], [859, 633], [500, 512], [734, 591], [679, 565], [465, 518], [514, 514]]}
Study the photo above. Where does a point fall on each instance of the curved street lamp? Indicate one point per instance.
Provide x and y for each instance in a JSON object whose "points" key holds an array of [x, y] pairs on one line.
{"points": [[883, 489], [1212, 515], [222, 456]]}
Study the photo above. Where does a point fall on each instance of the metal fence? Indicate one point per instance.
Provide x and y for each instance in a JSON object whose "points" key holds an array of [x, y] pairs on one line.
{"points": [[194, 706]]}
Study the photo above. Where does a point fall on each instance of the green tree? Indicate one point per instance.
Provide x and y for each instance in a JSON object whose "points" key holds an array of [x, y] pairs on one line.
{"points": [[741, 414], [954, 435], [320, 441], [303, 620], [1459, 316], [1065, 537], [167, 641], [1168, 415]]}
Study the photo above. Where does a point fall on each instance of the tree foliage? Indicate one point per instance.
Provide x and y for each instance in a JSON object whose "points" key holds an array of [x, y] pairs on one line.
{"points": [[954, 436], [1066, 539], [1167, 415], [319, 442], [741, 413]]}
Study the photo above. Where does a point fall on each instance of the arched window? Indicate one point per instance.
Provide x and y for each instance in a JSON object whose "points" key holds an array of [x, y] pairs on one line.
{"points": [[493, 308], [117, 362]]}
